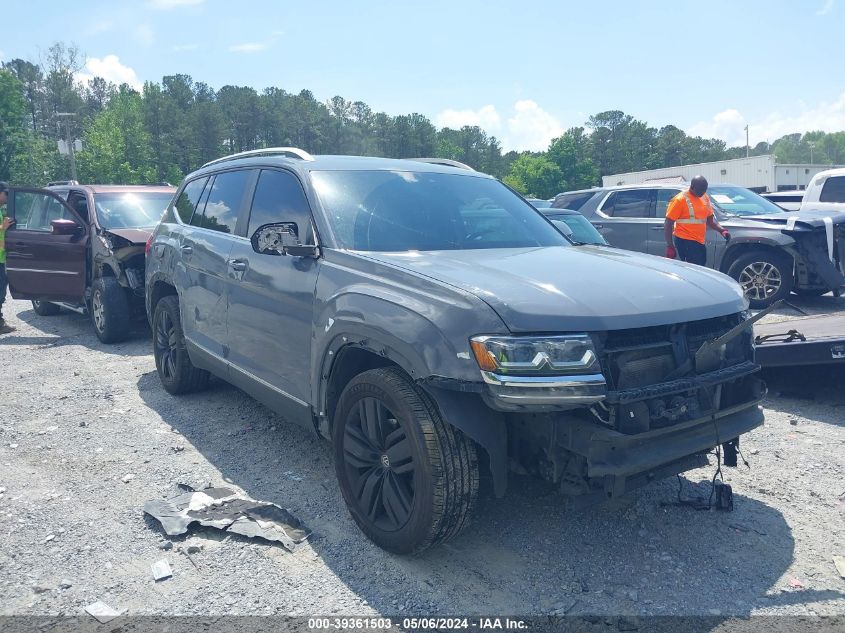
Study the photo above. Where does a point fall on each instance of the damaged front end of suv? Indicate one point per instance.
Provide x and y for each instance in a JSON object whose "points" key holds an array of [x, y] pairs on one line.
{"points": [[635, 405], [820, 245]]}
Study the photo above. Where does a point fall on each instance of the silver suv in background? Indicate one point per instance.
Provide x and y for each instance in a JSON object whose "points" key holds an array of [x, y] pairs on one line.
{"points": [[771, 253]]}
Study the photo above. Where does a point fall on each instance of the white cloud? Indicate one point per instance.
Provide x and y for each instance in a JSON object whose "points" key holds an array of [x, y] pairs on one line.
{"points": [[249, 47], [110, 69], [531, 127], [144, 33], [185, 47], [527, 127], [729, 125], [166, 5], [486, 118], [826, 8]]}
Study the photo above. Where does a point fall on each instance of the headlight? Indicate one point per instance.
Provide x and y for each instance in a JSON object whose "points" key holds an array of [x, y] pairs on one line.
{"points": [[564, 355]]}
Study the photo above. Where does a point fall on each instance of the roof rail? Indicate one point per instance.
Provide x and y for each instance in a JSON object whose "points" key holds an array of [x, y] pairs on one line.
{"points": [[290, 152], [448, 162]]}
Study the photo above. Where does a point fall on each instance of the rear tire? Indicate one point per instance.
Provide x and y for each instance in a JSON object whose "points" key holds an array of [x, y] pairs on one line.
{"points": [[45, 308], [409, 479], [175, 369], [109, 310], [765, 277]]}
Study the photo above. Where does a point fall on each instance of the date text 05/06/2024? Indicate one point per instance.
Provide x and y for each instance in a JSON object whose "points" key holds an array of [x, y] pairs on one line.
{"points": [[417, 624]]}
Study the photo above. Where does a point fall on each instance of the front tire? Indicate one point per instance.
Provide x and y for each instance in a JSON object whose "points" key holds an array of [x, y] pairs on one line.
{"points": [[175, 369], [45, 308], [409, 479], [109, 310], [765, 277]]}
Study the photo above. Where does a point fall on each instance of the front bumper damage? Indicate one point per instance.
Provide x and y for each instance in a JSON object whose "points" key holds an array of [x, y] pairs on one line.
{"points": [[666, 396], [820, 245]]}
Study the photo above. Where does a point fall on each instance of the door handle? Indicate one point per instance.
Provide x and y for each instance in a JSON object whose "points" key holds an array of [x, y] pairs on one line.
{"points": [[187, 250], [598, 226], [657, 228], [238, 265]]}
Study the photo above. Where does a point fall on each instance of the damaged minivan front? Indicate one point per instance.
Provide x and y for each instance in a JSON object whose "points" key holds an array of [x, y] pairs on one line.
{"points": [[81, 248]]}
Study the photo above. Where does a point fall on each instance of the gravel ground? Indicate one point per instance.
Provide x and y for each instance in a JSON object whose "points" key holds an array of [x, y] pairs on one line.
{"points": [[88, 435]]}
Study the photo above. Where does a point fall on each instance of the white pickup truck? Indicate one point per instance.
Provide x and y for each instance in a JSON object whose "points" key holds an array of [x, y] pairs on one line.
{"points": [[826, 191]]}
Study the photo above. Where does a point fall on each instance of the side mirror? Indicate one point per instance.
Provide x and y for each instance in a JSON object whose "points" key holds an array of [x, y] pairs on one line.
{"points": [[281, 239], [64, 227], [563, 227]]}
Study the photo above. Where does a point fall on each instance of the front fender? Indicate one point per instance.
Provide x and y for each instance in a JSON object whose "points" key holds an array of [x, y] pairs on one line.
{"points": [[393, 326], [742, 243]]}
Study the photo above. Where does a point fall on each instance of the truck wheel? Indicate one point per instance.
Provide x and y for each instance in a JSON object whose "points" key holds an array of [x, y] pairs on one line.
{"points": [[45, 308], [409, 479], [764, 276], [175, 369], [109, 310]]}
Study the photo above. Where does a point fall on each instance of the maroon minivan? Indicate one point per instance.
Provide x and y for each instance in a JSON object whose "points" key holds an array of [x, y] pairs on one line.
{"points": [[81, 247]]}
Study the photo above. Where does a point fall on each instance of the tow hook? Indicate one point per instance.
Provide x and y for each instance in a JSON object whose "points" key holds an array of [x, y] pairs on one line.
{"points": [[724, 496]]}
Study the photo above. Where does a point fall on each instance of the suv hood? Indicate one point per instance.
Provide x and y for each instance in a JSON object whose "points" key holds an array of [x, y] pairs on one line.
{"points": [[136, 236], [579, 288], [814, 218]]}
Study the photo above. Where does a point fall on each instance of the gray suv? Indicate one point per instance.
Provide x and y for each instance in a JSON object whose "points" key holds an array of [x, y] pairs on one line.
{"points": [[437, 328], [771, 253]]}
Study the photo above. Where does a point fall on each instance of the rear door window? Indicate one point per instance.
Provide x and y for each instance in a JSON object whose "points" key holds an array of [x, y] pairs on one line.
{"points": [[279, 198], [629, 203], [223, 202], [189, 199], [664, 197], [833, 190]]}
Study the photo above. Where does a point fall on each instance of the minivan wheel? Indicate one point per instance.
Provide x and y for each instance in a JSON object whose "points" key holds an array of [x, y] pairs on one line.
{"points": [[109, 310], [409, 479], [175, 369], [45, 308], [764, 276]]}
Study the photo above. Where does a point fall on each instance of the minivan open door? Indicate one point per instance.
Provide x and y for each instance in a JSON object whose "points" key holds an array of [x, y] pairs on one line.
{"points": [[46, 247]]}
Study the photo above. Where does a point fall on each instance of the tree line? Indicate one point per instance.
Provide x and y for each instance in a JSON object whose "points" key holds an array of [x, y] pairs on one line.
{"points": [[173, 126]]}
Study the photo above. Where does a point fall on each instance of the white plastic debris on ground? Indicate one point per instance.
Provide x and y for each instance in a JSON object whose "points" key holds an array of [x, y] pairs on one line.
{"points": [[226, 510]]}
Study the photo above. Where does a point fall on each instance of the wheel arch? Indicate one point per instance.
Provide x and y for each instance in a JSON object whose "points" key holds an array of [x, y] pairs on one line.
{"points": [[353, 354], [159, 287], [735, 251]]}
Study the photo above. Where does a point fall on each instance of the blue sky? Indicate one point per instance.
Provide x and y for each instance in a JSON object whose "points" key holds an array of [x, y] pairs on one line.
{"points": [[524, 71]]}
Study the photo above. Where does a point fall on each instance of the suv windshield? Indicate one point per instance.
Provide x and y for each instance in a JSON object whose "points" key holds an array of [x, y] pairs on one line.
{"points": [[130, 210], [425, 211], [741, 201]]}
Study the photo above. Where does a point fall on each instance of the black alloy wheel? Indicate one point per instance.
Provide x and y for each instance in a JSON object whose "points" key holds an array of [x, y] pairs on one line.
{"points": [[408, 477], [379, 464], [165, 343]]}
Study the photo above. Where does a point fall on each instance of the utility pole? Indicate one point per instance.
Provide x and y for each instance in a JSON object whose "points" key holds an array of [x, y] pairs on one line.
{"points": [[68, 116], [747, 146]]}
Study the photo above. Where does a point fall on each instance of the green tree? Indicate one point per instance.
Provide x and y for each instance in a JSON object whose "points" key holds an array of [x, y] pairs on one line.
{"points": [[535, 176], [117, 145], [13, 113]]}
